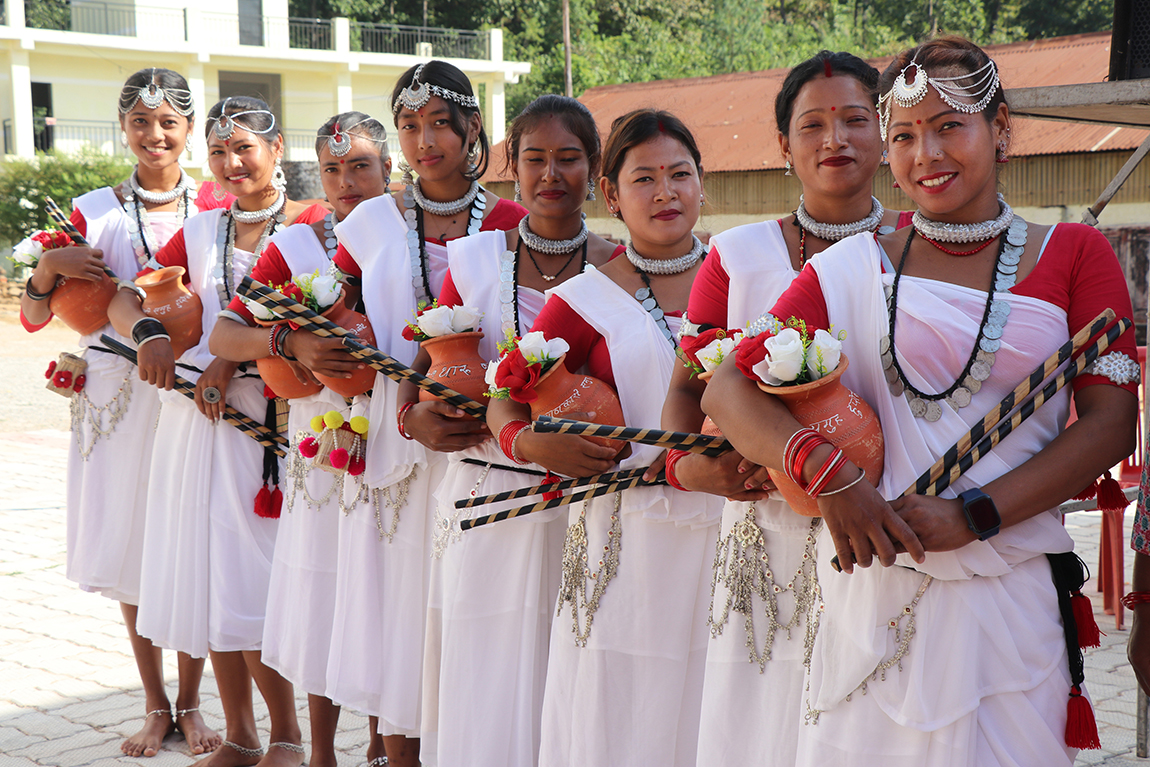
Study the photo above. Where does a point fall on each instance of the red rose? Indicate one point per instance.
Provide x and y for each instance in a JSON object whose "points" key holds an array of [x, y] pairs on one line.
{"points": [[691, 345], [407, 333], [61, 239], [62, 379], [51, 369], [292, 291], [519, 378], [79, 385], [750, 352]]}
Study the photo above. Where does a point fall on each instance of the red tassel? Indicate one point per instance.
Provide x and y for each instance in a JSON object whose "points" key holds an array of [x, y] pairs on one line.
{"points": [[1089, 494], [1081, 729], [1110, 495], [268, 393], [1089, 634], [553, 494], [277, 503], [263, 505]]}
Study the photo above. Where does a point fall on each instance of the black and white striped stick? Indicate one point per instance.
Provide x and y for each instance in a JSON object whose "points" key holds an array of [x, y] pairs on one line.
{"points": [[679, 440], [384, 363], [549, 487], [69, 228], [248, 426]]}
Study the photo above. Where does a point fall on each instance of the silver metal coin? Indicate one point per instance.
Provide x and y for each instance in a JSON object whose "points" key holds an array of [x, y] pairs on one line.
{"points": [[886, 230], [331, 242], [884, 345], [1005, 268], [649, 304], [1000, 307], [657, 313], [973, 384], [642, 293], [961, 396], [1016, 236], [985, 356], [918, 407], [887, 360], [506, 295], [896, 388], [480, 202], [979, 370], [891, 374], [992, 331], [933, 411], [990, 344]]}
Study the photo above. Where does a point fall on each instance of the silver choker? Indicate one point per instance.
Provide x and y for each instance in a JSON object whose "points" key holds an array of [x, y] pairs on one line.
{"points": [[836, 232], [444, 208], [667, 265], [160, 198], [977, 232], [550, 247], [258, 216]]}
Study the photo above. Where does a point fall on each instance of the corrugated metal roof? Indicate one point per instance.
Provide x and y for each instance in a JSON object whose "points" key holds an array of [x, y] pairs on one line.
{"points": [[732, 115]]}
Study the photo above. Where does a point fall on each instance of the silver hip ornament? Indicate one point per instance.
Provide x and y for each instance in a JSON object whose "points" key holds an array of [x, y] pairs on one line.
{"points": [[909, 88]]}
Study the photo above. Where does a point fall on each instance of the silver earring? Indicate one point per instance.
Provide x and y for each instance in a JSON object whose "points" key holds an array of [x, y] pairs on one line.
{"points": [[218, 193], [405, 170], [279, 180], [788, 173], [518, 196], [616, 213], [702, 201], [884, 160], [590, 190], [124, 139]]}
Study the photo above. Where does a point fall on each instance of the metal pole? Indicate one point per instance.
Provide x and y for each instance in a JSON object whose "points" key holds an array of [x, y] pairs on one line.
{"points": [[1141, 721], [1094, 211], [569, 88]]}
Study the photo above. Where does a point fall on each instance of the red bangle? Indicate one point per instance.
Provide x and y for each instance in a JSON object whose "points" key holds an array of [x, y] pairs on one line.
{"points": [[673, 456], [799, 456], [400, 416], [830, 468], [1135, 598], [507, 436]]}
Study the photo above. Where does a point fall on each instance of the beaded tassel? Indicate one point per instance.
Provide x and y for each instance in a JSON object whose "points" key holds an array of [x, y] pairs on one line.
{"points": [[577, 572]]}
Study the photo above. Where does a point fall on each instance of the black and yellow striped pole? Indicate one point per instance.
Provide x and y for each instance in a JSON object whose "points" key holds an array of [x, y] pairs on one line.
{"points": [[549, 487], [679, 440], [499, 516]]}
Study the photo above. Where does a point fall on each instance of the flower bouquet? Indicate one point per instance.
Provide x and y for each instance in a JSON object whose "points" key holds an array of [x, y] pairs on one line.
{"points": [[803, 370], [707, 350], [451, 335], [81, 304]]}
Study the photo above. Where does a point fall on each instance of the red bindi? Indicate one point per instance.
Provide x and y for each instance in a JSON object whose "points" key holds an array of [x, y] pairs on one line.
{"points": [[832, 109], [341, 162], [660, 167], [828, 70], [918, 122], [227, 143]]}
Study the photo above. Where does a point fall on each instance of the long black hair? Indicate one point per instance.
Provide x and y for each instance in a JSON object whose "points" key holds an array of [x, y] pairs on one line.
{"points": [[822, 64], [451, 78]]}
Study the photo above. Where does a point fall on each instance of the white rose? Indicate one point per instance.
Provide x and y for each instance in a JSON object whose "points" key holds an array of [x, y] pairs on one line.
{"points": [[823, 354], [27, 252], [259, 311], [784, 360], [713, 354], [436, 322], [536, 348], [489, 375], [325, 289], [466, 318]]}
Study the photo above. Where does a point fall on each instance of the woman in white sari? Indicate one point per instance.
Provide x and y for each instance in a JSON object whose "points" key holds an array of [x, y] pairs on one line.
{"points": [[960, 650]]}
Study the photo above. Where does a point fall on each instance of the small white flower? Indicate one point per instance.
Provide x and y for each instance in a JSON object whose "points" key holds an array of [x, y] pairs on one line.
{"points": [[489, 375], [466, 318], [713, 354], [27, 252], [436, 322], [258, 310], [784, 360], [325, 289], [823, 354], [536, 348]]}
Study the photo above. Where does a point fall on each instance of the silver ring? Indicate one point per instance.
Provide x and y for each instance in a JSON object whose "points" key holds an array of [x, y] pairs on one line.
{"points": [[211, 395]]}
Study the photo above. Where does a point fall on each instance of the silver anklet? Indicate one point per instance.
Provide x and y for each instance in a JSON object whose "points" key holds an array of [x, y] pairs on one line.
{"points": [[379, 761], [293, 747], [159, 711], [182, 711], [244, 750]]}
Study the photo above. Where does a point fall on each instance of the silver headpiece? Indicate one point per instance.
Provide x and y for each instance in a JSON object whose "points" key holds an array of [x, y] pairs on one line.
{"points": [[970, 98], [418, 93], [225, 124], [152, 95], [339, 141]]}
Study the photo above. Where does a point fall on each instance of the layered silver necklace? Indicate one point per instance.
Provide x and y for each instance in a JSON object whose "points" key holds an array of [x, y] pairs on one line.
{"points": [[667, 265], [449, 208], [415, 204], [836, 232], [977, 232], [224, 270], [257, 216], [160, 198], [144, 243], [550, 247]]}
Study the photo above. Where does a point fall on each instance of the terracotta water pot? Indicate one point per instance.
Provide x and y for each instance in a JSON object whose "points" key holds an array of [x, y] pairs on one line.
{"points": [[170, 302], [278, 375], [357, 323], [456, 363], [82, 304], [563, 394], [840, 415]]}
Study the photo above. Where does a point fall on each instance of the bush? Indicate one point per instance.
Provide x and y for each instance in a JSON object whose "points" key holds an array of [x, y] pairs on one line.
{"points": [[24, 183]]}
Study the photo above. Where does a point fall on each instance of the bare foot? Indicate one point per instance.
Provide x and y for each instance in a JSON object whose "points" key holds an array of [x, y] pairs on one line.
{"points": [[227, 755], [157, 724], [201, 739], [280, 756]]}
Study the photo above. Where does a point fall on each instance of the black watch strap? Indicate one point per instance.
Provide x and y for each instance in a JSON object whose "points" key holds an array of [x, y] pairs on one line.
{"points": [[981, 514]]}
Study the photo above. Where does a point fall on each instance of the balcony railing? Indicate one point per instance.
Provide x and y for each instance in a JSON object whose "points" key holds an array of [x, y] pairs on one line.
{"points": [[420, 41], [107, 18], [71, 136]]}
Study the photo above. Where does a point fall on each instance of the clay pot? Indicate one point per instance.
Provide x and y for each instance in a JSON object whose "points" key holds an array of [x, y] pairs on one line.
{"points": [[356, 323], [170, 302], [563, 394], [840, 415], [456, 363], [278, 375], [82, 304]]}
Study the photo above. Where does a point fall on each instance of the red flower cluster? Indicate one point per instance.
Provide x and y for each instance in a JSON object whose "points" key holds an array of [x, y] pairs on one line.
{"points": [[750, 352], [51, 369], [411, 328], [50, 240], [79, 385], [518, 377], [62, 379], [692, 345]]}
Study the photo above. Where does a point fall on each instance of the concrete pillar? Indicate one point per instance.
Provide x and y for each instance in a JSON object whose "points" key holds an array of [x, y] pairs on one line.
{"points": [[194, 27], [195, 77], [495, 119], [496, 44], [276, 24], [23, 134], [343, 91], [341, 34], [14, 13]]}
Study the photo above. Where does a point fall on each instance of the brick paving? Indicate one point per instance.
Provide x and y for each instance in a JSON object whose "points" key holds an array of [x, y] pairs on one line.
{"points": [[69, 693]]}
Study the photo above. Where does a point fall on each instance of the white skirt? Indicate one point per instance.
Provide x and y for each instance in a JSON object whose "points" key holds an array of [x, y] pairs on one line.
{"points": [[207, 555], [301, 595], [107, 492], [488, 621], [748, 716], [375, 664], [632, 696]]}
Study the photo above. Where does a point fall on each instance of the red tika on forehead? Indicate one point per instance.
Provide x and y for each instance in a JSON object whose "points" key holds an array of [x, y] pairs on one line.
{"points": [[827, 69], [661, 128]]}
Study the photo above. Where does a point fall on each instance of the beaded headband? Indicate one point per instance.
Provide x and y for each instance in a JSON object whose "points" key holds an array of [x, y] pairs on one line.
{"points": [[417, 94], [339, 141], [970, 98], [153, 95], [225, 124]]}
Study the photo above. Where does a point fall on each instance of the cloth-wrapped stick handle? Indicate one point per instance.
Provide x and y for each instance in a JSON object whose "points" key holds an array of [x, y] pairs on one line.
{"points": [[70, 229], [549, 487], [380, 361], [248, 426], [499, 516], [679, 440]]}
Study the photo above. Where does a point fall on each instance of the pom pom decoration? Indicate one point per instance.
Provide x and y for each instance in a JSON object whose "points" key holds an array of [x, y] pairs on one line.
{"points": [[79, 385], [317, 424], [51, 370], [339, 447], [308, 447], [333, 419], [338, 458], [356, 466], [359, 425]]}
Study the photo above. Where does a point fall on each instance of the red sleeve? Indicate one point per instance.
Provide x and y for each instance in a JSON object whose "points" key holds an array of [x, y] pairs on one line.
{"points": [[270, 269], [78, 221], [29, 326], [206, 200], [619, 250], [346, 264], [505, 215], [449, 294], [709, 293], [804, 299], [1079, 272], [559, 320], [311, 214], [905, 218]]}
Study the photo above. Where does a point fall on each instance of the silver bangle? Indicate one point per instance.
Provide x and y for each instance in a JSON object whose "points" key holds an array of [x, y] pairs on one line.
{"points": [[153, 338], [852, 483], [129, 285]]}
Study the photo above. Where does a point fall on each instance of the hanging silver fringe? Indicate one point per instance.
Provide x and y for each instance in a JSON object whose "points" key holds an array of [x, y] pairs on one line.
{"points": [[577, 571]]}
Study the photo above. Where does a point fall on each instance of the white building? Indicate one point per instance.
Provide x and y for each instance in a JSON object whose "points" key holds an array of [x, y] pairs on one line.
{"points": [[61, 71]]}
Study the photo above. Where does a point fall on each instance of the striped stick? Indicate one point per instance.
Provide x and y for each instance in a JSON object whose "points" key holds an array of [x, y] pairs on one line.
{"points": [[248, 426], [384, 363], [1010, 401], [679, 440], [499, 516], [549, 487], [69, 228]]}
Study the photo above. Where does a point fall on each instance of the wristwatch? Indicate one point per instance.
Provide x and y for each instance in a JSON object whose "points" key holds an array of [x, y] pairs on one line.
{"points": [[981, 514]]}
